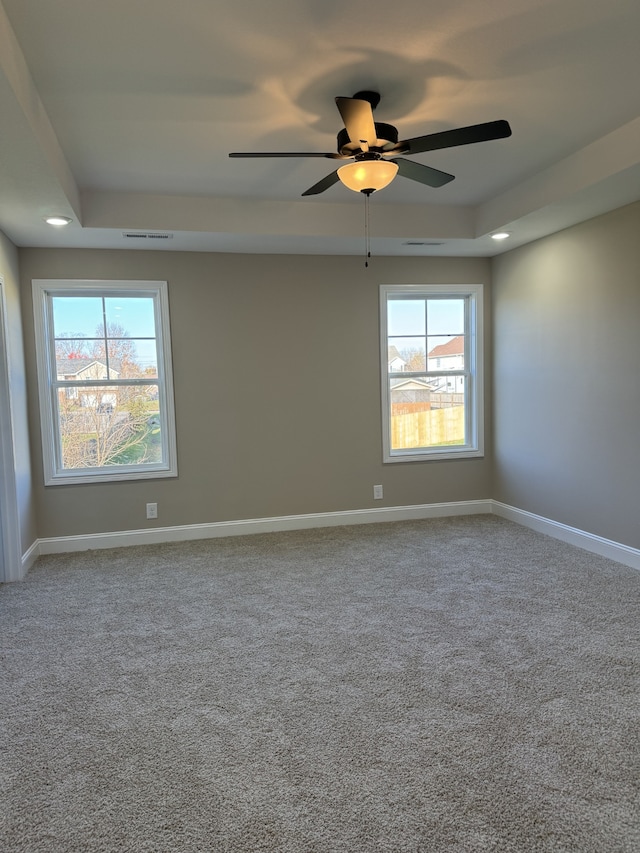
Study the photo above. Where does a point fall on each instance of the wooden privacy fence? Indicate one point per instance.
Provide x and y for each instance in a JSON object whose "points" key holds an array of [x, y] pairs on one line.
{"points": [[427, 429]]}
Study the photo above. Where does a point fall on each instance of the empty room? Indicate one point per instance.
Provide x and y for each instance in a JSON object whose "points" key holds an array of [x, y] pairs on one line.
{"points": [[319, 407]]}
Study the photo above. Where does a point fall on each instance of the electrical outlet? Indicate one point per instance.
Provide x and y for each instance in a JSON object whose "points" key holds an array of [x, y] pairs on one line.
{"points": [[152, 510], [377, 493]]}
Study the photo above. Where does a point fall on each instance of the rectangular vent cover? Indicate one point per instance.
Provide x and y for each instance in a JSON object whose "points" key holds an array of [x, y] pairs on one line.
{"points": [[146, 235]]}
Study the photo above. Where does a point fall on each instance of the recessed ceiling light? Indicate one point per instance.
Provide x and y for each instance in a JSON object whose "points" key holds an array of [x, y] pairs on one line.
{"points": [[500, 235], [58, 220]]}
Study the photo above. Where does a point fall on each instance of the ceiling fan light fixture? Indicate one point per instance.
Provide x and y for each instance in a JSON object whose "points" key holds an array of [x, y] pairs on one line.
{"points": [[367, 176]]}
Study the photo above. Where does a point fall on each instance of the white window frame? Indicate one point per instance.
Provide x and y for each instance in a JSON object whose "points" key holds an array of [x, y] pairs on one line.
{"points": [[473, 372], [54, 473]]}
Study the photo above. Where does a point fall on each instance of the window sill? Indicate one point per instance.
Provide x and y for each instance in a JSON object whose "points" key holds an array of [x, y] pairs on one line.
{"points": [[433, 455], [111, 476]]}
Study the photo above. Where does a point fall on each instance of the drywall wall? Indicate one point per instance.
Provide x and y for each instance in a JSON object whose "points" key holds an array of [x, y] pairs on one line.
{"points": [[566, 334], [277, 387], [18, 507]]}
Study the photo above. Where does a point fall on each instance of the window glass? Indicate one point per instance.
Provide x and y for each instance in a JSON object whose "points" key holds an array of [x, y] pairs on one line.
{"points": [[431, 367]]}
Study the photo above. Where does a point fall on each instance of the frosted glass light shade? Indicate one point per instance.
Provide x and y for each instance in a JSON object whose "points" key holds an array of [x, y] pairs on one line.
{"points": [[58, 221], [368, 175]]}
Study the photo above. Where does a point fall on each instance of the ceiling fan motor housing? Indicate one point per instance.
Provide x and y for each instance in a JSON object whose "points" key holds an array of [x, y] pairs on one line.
{"points": [[387, 134]]}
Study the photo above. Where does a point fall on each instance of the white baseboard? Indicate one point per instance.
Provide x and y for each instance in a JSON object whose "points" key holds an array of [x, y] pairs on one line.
{"points": [[29, 558], [572, 535], [156, 535], [243, 527]]}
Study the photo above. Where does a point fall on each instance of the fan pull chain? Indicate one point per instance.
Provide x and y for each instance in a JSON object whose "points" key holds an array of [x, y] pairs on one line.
{"points": [[367, 235]]}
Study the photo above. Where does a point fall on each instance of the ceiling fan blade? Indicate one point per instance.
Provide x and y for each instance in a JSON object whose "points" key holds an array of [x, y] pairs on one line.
{"points": [[357, 116], [332, 156], [451, 138], [323, 185], [422, 174]]}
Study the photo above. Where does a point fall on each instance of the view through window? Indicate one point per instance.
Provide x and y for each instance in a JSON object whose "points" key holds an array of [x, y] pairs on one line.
{"points": [[431, 371], [105, 380]]}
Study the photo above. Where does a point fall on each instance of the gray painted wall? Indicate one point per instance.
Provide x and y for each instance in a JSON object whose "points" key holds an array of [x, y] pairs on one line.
{"points": [[19, 438], [566, 315], [276, 366]]}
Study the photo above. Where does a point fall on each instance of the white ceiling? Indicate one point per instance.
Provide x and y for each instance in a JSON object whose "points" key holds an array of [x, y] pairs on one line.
{"points": [[121, 115]]}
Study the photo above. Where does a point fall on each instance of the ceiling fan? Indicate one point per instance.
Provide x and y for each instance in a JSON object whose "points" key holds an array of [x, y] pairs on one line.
{"points": [[374, 149]]}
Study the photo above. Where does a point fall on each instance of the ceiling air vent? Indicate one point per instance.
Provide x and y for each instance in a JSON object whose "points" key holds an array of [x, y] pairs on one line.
{"points": [[146, 235], [422, 243]]}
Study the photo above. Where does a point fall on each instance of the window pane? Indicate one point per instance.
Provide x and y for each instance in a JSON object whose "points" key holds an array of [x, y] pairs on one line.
{"points": [[445, 317], [131, 336], [77, 316], [445, 353], [406, 317], [75, 360], [73, 348], [109, 425], [406, 354], [145, 358], [127, 359], [425, 419], [130, 317]]}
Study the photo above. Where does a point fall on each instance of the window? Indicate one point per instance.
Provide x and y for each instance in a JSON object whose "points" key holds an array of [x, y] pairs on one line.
{"points": [[431, 364], [105, 381]]}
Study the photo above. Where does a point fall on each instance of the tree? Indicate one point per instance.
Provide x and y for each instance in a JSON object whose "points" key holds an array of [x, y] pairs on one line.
{"points": [[72, 346], [414, 358], [96, 434], [107, 425], [120, 349]]}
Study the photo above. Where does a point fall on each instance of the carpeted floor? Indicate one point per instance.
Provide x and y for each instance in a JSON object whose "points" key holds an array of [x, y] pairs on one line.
{"points": [[445, 686]]}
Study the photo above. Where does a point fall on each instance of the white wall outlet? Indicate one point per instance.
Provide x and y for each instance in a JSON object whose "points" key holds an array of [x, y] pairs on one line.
{"points": [[377, 493], [152, 510]]}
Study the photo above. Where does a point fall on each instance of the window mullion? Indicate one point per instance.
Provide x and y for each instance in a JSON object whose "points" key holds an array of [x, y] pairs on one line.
{"points": [[105, 336], [105, 383]]}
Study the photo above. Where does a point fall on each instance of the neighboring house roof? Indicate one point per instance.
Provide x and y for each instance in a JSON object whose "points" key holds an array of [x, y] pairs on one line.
{"points": [[413, 383], [453, 347], [75, 366]]}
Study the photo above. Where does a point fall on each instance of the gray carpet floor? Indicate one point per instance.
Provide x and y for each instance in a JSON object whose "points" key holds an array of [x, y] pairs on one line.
{"points": [[444, 686]]}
